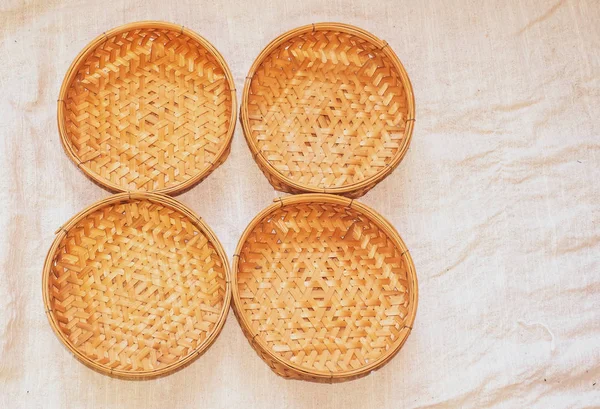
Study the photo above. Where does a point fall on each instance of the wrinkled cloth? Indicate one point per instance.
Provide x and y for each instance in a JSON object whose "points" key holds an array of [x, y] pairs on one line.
{"points": [[497, 200]]}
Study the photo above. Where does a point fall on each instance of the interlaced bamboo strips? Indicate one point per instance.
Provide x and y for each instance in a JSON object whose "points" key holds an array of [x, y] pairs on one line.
{"points": [[327, 108], [323, 288], [136, 285], [148, 106]]}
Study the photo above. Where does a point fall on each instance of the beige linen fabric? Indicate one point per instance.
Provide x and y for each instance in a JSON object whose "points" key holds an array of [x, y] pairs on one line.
{"points": [[497, 200]]}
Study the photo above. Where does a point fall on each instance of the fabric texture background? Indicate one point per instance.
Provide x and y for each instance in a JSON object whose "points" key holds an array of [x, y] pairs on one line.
{"points": [[497, 200]]}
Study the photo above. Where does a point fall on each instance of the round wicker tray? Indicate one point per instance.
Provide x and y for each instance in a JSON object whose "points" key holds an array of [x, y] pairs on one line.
{"points": [[323, 288], [136, 285], [147, 106], [327, 108]]}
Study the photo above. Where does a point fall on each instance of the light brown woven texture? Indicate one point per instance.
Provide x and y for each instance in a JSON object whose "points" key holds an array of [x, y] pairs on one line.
{"points": [[327, 108], [136, 286], [148, 106], [323, 288]]}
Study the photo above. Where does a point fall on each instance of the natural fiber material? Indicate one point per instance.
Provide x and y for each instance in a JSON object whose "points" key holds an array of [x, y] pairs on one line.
{"points": [[327, 108], [136, 285], [147, 106], [323, 288]]}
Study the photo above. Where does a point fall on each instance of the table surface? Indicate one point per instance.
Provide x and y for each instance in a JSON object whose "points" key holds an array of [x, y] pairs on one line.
{"points": [[497, 200]]}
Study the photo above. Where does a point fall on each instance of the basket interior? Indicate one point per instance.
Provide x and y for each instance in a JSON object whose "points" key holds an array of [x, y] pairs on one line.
{"points": [[146, 109], [327, 109], [323, 287], [135, 287]]}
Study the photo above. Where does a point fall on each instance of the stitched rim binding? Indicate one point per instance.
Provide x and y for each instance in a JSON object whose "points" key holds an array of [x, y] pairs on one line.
{"points": [[352, 190], [220, 155], [285, 367], [122, 198]]}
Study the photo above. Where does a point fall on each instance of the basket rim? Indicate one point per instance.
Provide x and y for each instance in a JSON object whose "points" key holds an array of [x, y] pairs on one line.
{"points": [[382, 223], [199, 223], [88, 49], [365, 35]]}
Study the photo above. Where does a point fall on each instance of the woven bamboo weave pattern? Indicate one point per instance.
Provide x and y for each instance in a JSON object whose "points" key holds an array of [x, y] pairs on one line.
{"points": [[323, 287], [148, 107], [136, 287], [327, 110]]}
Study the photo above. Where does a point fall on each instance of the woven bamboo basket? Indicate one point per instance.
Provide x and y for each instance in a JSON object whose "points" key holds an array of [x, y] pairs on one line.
{"points": [[327, 108], [136, 285], [323, 288], [147, 106]]}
